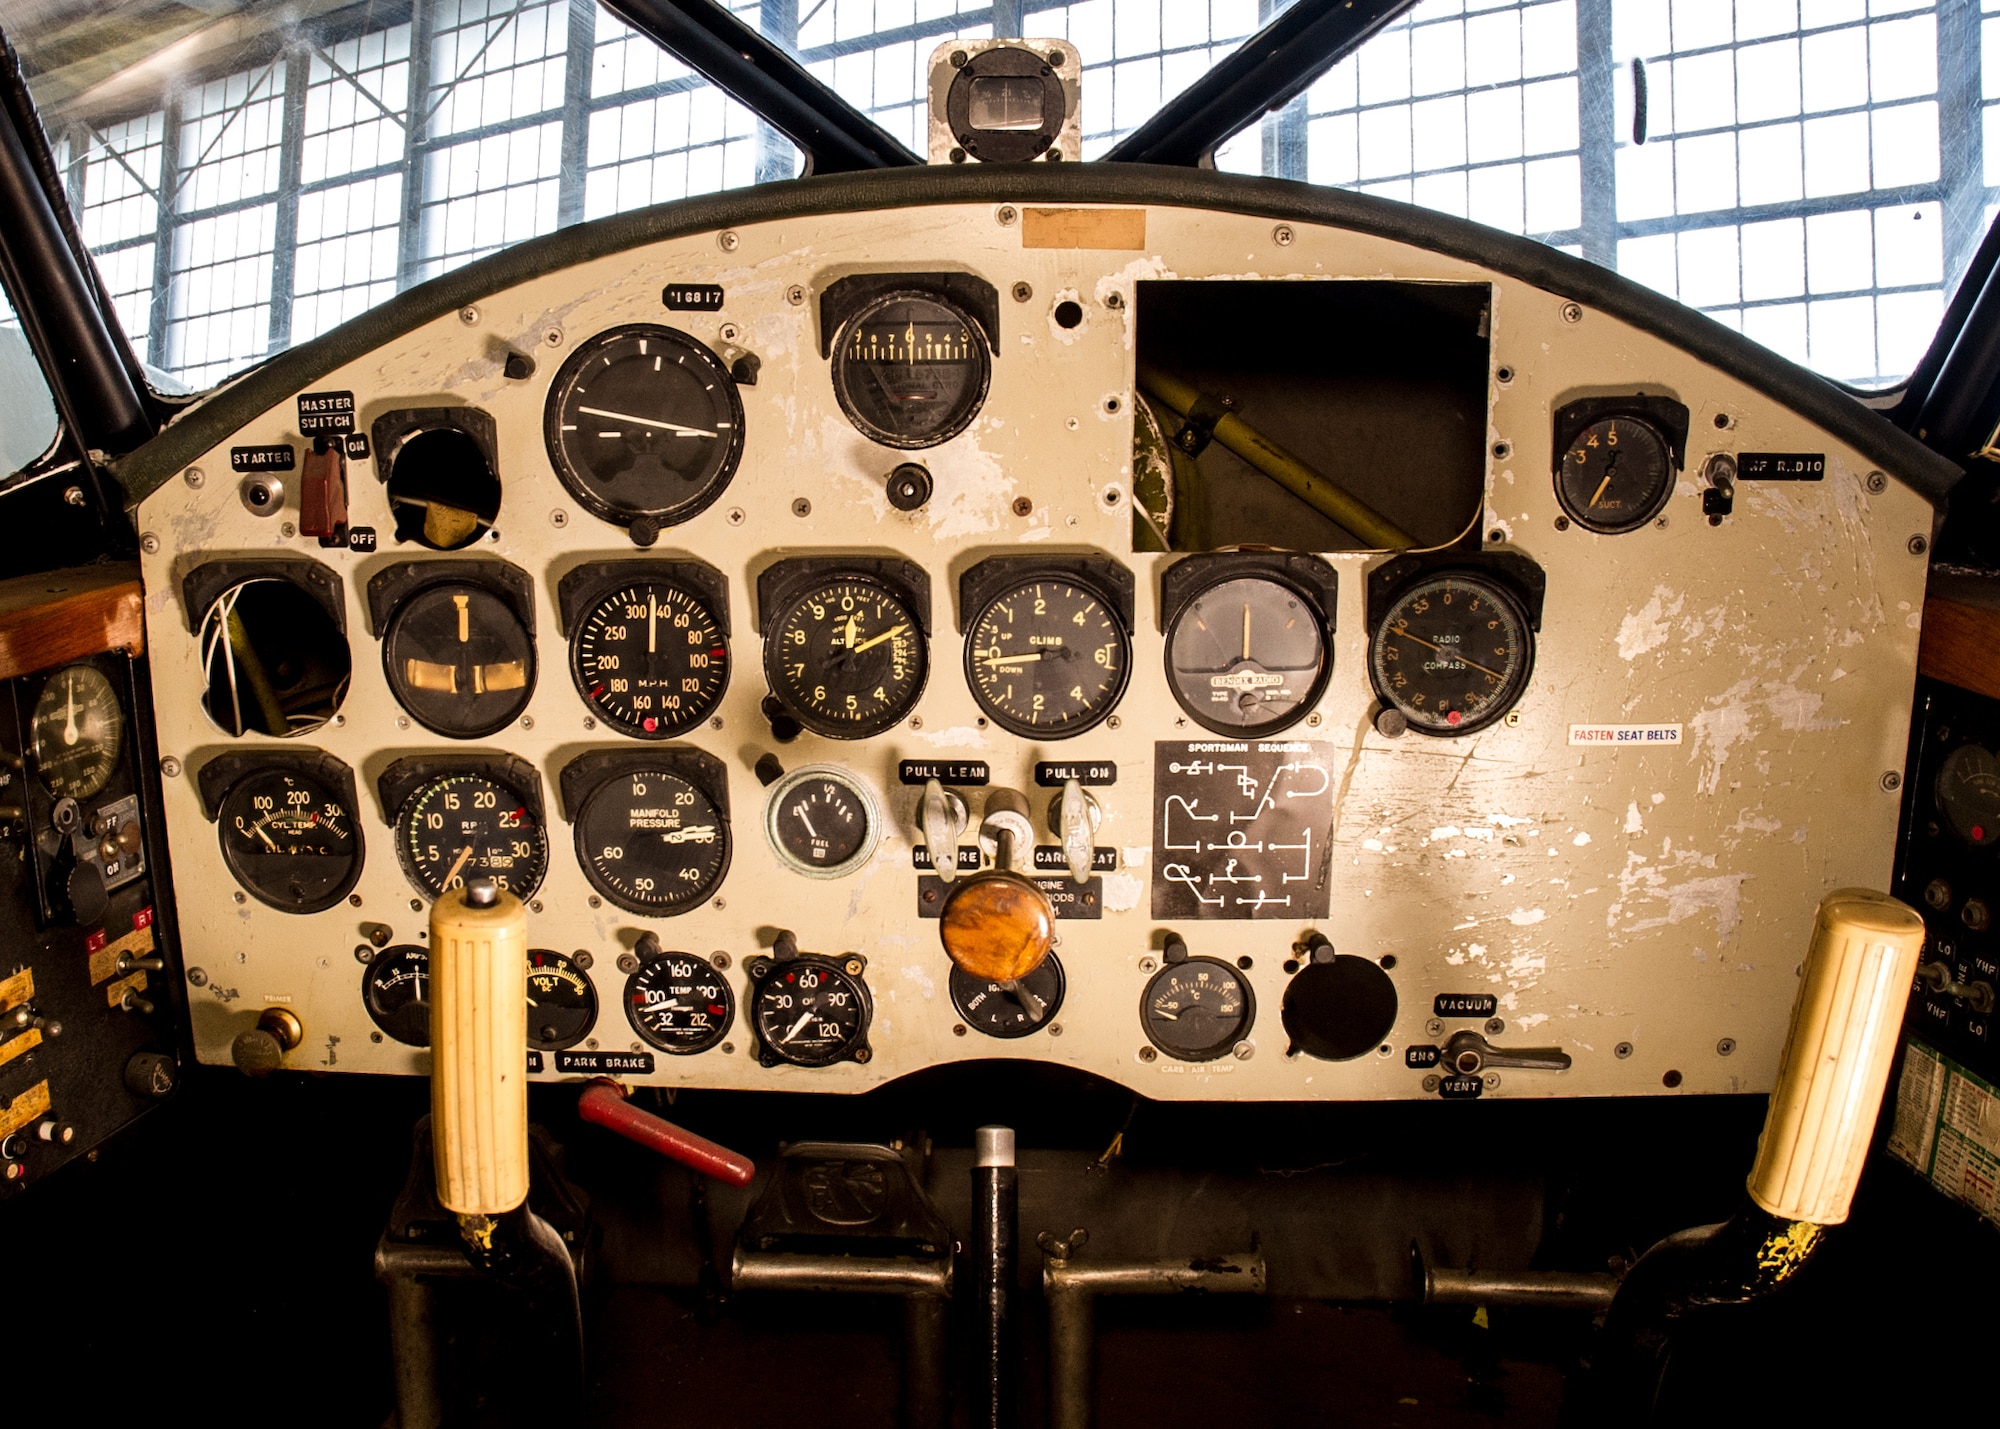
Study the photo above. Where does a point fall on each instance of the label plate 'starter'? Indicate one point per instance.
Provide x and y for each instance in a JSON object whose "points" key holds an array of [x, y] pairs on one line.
{"points": [[1240, 830], [276, 456], [326, 413], [1781, 466]]}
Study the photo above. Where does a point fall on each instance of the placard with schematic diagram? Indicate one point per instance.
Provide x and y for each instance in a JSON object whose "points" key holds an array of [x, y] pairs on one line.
{"points": [[1240, 830]]}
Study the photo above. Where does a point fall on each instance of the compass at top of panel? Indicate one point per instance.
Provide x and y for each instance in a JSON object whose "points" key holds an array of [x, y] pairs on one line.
{"points": [[644, 422]]}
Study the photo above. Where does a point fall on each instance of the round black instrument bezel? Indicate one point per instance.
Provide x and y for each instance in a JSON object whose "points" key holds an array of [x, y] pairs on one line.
{"points": [[399, 1028], [697, 712], [337, 793], [719, 473], [650, 967], [588, 806], [764, 973], [568, 964], [799, 593], [969, 405], [1579, 512], [420, 599], [1216, 1051], [486, 773], [1224, 574], [1509, 694], [964, 988], [1014, 589]]}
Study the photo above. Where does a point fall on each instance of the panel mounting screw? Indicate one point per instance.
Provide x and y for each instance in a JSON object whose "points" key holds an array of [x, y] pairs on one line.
{"points": [[1147, 965], [559, 518], [802, 507], [720, 961], [958, 59], [197, 978], [364, 954], [1495, 1026], [1005, 215], [468, 315], [1622, 1050], [1492, 1081], [796, 295], [1572, 312], [170, 768], [150, 544], [1434, 1027], [1022, 506], [627, 963], [1562, 523], [1502, 450], [1022, 292], [1312, 720], [1282, 235], [727, 240], [193, 477], [288, 530], [1725, 1046], [1430, 1084], [1243, 1051], [1114, 300], [1892, 781], [553, 337], [1919, 544], [729, 332], [1876, 483], [735, 516], [1147, 1054]]}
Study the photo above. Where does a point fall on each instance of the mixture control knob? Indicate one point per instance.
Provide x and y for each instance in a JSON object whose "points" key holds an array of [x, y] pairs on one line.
{"points": [[1468, 1052], [941, 815], [1073, 818], [261, 1050], [998, 926]]}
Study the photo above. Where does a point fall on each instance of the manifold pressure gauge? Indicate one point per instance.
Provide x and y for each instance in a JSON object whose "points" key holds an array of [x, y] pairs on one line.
{"points": [[910, 369], [78, 729], [461, 826], [677, 1002], [644, 421], [562, 1003], [1452, 653], [650, 659], [289, 838], [652, 841], [822, 821], [1047, 658], [846, 656]]}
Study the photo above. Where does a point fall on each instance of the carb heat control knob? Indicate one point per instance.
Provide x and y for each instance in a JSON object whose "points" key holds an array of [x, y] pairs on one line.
{"points": [[1073, 818]]}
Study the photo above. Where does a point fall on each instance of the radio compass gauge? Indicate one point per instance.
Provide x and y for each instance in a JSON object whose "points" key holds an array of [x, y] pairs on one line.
{"points": [[78, 730], [1247, 657], [650, 659], [289, 839], [847, 657], [396, 989], [1968, 794], [1196, 1009], [1615, 475], [822, 821], [911, 370], [1047, 658], [810, 1011], [644, 421], [678, 1002], [1452, 653], [460, 660], [562, 1004], [652, 842], [1009, 1010], [457, 827]]}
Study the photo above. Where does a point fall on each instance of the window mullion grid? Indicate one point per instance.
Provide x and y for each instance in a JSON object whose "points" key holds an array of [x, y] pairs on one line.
{"points": [[163, 244], [409, 236], [779, 20], [1597, 123], [576, 112], [298, 73]]}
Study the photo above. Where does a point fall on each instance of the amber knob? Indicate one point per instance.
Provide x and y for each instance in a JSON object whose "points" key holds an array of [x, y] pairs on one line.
{"points": [[997, 926]]}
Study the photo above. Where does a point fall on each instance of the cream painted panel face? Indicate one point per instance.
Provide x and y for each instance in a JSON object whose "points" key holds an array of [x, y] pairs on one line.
{"points": [[1643, 910]]}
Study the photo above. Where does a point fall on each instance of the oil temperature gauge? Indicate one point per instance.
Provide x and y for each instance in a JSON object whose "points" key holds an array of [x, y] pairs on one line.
{"points": [[562, 1003], [678, 1002], [822, 821], [396, 989]]}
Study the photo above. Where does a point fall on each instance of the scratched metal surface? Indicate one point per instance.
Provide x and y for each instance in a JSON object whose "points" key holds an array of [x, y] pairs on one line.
{"points": [[1657, 897]]}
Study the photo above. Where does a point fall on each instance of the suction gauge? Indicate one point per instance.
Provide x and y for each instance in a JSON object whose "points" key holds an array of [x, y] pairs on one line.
{"points": [[1615, 475], [911, 370], [644, 421]]}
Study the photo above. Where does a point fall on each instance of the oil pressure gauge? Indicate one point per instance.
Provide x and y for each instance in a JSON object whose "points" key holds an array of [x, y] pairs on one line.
{"points": [[810, 1011]]}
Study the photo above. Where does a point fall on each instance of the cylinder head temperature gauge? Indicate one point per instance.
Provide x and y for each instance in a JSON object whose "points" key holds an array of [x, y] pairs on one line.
{"points": [[289, 837], [822, 821]]}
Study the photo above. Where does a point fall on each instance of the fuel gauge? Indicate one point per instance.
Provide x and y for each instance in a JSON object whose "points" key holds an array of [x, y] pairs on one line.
{"points": [[822, 821]]}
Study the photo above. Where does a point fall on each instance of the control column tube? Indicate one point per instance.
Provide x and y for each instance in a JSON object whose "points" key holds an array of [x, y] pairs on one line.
{"points": [[1836, 1063], [995, 1210], [479, 1033]]}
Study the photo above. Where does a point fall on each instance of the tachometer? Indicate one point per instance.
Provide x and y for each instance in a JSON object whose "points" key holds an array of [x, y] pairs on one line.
{"points": [[458, 827], [1452, 653], [644, 421]]}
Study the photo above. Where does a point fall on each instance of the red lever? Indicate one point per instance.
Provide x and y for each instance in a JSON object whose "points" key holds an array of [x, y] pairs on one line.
{"points": [[603, 1102]]}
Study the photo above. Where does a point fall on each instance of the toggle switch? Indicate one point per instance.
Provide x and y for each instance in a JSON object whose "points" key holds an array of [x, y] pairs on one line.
{"points": [[942, 818], [323, 489], [1074, 815], [1469, 1052], [1936, 977], [998, 925]]}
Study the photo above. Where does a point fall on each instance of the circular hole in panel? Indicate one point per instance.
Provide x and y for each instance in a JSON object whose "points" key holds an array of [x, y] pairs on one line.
{"points": [[1068, 314], [274, 660], [442, 489]]}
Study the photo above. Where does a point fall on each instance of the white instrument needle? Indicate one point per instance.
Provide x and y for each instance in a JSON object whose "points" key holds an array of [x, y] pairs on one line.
{"points": [[70, 732], [797, 1026], [456, 864], [675, 427], [800, 810]]}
